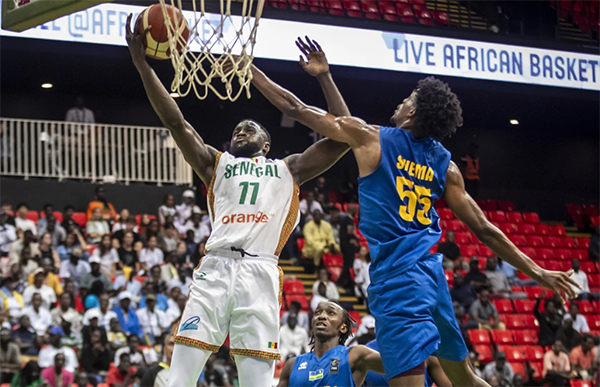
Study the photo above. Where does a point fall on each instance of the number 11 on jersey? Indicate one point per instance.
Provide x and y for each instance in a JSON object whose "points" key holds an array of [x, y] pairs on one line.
{"points": [[245, 186]]}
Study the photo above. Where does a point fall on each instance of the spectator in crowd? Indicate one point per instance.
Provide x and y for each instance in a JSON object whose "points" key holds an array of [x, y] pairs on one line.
{"points": [[8, 234], [65, 311], [68, 223], [321, 296], [107, 211], [470, 167], [49, 278], [197, 254], [350, 246], [302, 317], [96, 227], [149, 288], [92, 326], [168, 271], [476, 278], [7, 209], [151, 255], [512, 274], [579, 321], [47, 354], [69, 288], [73, 337], [482, 310], [56, 231], [183, 281], [167, 209], [57, 375], [126, 315], [96, 282], [214, 375], [108, 256], [29, 262], [81, 379], [28, 259], [116, 337], [155, 278], [464, 323], [498, 282], [45, 213], [122, 375], [190, 245], [201, 229], [75, 268], [79, 113], [128, 255], [38, 287], [568, 335], [11, 300], [369, 335], [334, 220], [131, 285], [308, 206], [153, 321], [158, 376], [449, 250], [318, 239], [73, 240], [121, 224], [106, 315], [47, 252], [550, 321], [174, 311], [170, 237], [462, 292], [96, 358], [583, 358], [323, 278], [21, 221], [181, 252], [10, 357], [293, 339], [26, 338], [138, 357], [500, 369], [30, 376], [361, 273], [557, 368], [185, 210], [594, 249], [130, 226], [320, 188], [583, 290]]}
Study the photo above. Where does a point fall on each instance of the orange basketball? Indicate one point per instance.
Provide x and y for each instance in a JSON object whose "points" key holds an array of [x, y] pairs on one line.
{"points": [[157, 41]]}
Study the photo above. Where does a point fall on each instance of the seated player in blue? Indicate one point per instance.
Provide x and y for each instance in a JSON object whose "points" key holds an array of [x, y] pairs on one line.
{"points": [[403, 170], [331, 363]]}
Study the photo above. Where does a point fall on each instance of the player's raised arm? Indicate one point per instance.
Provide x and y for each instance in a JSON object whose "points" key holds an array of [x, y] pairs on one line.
{"points": [[199, 155], [284, 378], [465, 208], [362, 360]]}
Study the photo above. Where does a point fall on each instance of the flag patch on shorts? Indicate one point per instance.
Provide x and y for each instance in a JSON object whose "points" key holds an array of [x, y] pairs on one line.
{"points": [[272, 345]]}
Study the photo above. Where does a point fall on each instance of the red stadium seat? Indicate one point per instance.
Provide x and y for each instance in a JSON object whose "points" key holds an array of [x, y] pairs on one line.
{"points": [[508, 228], [497, 216], [543, 253], [596, 306], [346, 205], [333, 260], [456, 225], [588, 267], [529, 251], [518, 240], [526, 229], [518, 368], [485, 353], [530, 321], [557, 229], [503, 306], [424, 17], [358, 320], [468, 250], [532, 240], [574, 209], [595, 221], [300, 5], [80, 218], [301, 298], [513, 353], [334, 7], [352, 8], [506, 206], [485, 251], [32, 215], [580, 254], [514, 321], [534, 353], [516, 289], [313, 6], [526, 336], [449, 276], [538, 369], [335, 272], [140, 279], [370, 9], [542, 229], [568, 242], [581, 383], [479, 336], [278, 4], [445, 213], [583, 242], [562, 254], [585, 307], [524, 306], [533, 292], [514, 217], [407, 16], [591, 210], [58, 215], [531, 217], [462, 238], [441, 17], [594, 281], [293, 287], [300, 242], [488, 205], [502, 337], [552, 241]]}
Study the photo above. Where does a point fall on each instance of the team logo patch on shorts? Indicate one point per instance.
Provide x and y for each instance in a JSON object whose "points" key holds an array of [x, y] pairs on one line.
{"points": [[201, 276], [272, 345], [315, 375], [191, 324]]}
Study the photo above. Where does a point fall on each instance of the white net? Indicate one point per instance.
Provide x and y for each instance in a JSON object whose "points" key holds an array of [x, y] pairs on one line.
{"points": [[213, 41]]}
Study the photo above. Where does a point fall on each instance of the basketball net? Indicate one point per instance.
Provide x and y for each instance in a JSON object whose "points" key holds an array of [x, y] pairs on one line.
{"points": [[213, 41]]}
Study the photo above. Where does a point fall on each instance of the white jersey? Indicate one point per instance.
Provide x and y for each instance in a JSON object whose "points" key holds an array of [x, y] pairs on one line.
{"points": [[253, 204]]}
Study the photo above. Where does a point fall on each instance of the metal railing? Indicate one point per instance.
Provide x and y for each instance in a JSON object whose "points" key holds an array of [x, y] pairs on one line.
{"points": [[94, 152]]}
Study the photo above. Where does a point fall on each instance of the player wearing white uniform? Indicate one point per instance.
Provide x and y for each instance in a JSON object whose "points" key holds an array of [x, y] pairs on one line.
{"points": [[253, 203]]}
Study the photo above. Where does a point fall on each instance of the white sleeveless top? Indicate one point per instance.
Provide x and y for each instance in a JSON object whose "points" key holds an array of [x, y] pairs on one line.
{"points": [[253, 204]]}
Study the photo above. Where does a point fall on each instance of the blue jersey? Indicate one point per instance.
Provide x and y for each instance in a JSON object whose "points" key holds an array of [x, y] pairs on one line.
{"points": [[374, 379], [396, 201], [331, 370]]}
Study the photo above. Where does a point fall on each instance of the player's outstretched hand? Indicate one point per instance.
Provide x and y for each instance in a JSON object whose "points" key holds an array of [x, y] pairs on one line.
{"points": [[315, 63], [135, 40], [558, 281]]}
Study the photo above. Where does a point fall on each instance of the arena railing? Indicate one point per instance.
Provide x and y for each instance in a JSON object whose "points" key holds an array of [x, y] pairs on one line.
{"points": [[91, 152]]}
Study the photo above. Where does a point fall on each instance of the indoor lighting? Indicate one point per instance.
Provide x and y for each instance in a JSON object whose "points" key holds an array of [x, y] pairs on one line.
{"points": [[514, 122], [47, 85], [175, 95]]}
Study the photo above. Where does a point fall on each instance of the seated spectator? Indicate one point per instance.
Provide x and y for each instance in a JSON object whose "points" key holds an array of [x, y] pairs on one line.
{"points": [[594, 249], [47, 211], [69, 288], [10, 357], [185, 210], [498, 281], [105, 314], [159, 375], [556, 366], [153, 229], [168, 271], [96, 358], [44, 291], [464, 323], [321, 296], [107, 211], [96, 227], [68, 223], [197, 254], [10, 299], [512, 274], [96, 282], [21, 221], [81, 379], [361, 273], [121, 224], [130, 226], [8, 234], [183, 281], [108, 256], [116, 337], [57, 375], [181, 252], [128, 254], [15, 275], [26, 252], [170, 238], [150, 288], [65, 311], [200, 228], [26, 338], [76, 267], [476, 278], [174, 311], [323, 278], [122, 375], [550, 321], [73, 240], [137, 357], [215, 375], [463, 292], [449, 250], [56, 231], [92, 326], [126, 315], [500, 369], [151, 255], [583, 358], [369, 335], [308, 206], [568, 335], [302, 317], [153, 321], [72, 338], [155, 278], [579, 321], [132, 286], [583, 291], [49, 278], [167, 208], [482, 310], [190, 245], [318, 238], [30, 376], [47, 353], [293, 339], [47, 251]]}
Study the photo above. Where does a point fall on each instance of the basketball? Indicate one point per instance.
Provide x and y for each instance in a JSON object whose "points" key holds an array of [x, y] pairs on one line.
{"points": [[157, 41]]}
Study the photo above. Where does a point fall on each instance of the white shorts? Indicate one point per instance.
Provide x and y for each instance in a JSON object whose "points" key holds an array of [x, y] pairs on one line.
{"points": [[235, 295]]}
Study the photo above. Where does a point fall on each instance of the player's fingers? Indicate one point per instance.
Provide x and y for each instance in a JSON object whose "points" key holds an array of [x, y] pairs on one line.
{"points": [[312, 47], [317, 45], [302, 47], [136, 26], [128, 25], [302, 62]]}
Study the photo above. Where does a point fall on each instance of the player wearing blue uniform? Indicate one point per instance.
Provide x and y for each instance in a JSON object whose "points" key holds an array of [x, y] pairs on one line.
{"points": [[331, 363], [403, 171]]}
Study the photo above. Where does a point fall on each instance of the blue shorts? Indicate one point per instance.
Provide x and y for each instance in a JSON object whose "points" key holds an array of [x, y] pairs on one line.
{"points": [[415, 318]]}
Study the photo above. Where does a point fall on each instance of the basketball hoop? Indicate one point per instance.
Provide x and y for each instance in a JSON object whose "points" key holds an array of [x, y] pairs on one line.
{"points": [[213, 41]]}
